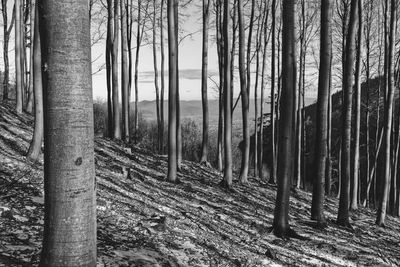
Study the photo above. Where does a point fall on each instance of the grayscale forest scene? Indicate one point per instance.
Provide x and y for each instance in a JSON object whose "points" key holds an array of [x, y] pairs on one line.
{"points": [[212, 133]]}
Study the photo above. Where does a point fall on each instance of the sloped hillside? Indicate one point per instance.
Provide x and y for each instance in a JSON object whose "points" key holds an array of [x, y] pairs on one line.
{"points": [[145, 221]]}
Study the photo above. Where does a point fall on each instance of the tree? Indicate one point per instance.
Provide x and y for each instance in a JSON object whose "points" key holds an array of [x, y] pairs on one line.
{"points": [[36, 144], [172, 53], [155, 66], [356, 153], [69, 174], [343, 213], [162, 76], [18, 60], [204, 78], [124, 73], [6, 35], [381, 213], [114, 58], [286, 137], [273, 108], [320, 154], [245, 97], [227, 180], [108, 54]]}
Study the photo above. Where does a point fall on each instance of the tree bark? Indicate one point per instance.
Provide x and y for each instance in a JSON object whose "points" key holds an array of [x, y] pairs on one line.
{"points": [[204, 78], [18, 49], [36, 144], [286, 136], [155, 66], [162, 76], [138, 43], [124, 73], [381, 213], [273, 108], [172, 52], [321, 149], [109, 45], [115, 89], [178, 103], [227, 180], [69, 174], [343, 213], [6, 32], [356, 147]]}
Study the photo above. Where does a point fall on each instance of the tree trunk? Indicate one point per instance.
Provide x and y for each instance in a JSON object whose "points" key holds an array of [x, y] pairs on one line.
{"points": [[220, 50], [6, 32], [227, 180], [138, 43], [172, 53], [115, 91], [156, 75], [124, 73], [162, 77], [36, 144], [204, 78], [381, 213], [356, 147], [30, 103], [285, 163], [69, 174], [273, 114], [321, 149], [18, 50], [343, 213], [109, 45], [178, 104]]}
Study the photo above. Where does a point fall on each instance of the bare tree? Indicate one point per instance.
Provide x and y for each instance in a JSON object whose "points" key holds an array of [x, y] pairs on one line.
{"points": [[70, 199], [114, 58], [124, 73], [19, 83], [6, 32]]}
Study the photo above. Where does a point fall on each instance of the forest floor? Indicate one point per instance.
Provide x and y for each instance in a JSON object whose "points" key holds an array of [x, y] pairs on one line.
{"points": [[145, 221]]}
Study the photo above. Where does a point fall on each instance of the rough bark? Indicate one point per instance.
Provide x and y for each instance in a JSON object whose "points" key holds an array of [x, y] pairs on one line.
{"points": [[69, 174]]}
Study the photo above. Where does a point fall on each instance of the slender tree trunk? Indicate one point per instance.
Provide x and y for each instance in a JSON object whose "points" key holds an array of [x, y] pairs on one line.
{"points": [[220, 50], [343, 213], [109, 45], [356, 147], [115, 90], [178, 104], [204, 78], [321, 149], [36, 144], [162, 77], [328, 175], [227, 180], [6, 35], [155, 65], [69, 177], [30, 103], [138, 43], [124, 73], [273, 108], [381, 213], [286, 137], [172, 53], [18, 70]]}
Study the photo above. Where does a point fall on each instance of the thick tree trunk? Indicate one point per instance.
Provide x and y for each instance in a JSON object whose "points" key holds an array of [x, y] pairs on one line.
{"points": [[172, 53], [343, 213], [36, 144], [18, 49], [204, 78], [115, 90], [227, 180], [285, 154], [321, 149], [69, 174], [109, 44], [381, 213], [124, 74], [356, 147]]}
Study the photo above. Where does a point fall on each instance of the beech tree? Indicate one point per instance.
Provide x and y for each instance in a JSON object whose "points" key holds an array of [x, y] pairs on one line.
{"points": [[19, 85], [273, 97], [36, 144], [172, 70], [6, 39], [286, 136], [320, 153], [227, 180], [388, 120], [108, 55], [344, 200], [69, 237], [204, 79], [124, 73], [114, 58]]}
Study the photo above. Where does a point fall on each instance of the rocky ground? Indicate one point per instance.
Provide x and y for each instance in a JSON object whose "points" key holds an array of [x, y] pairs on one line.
{"points": [[145, 221]]}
